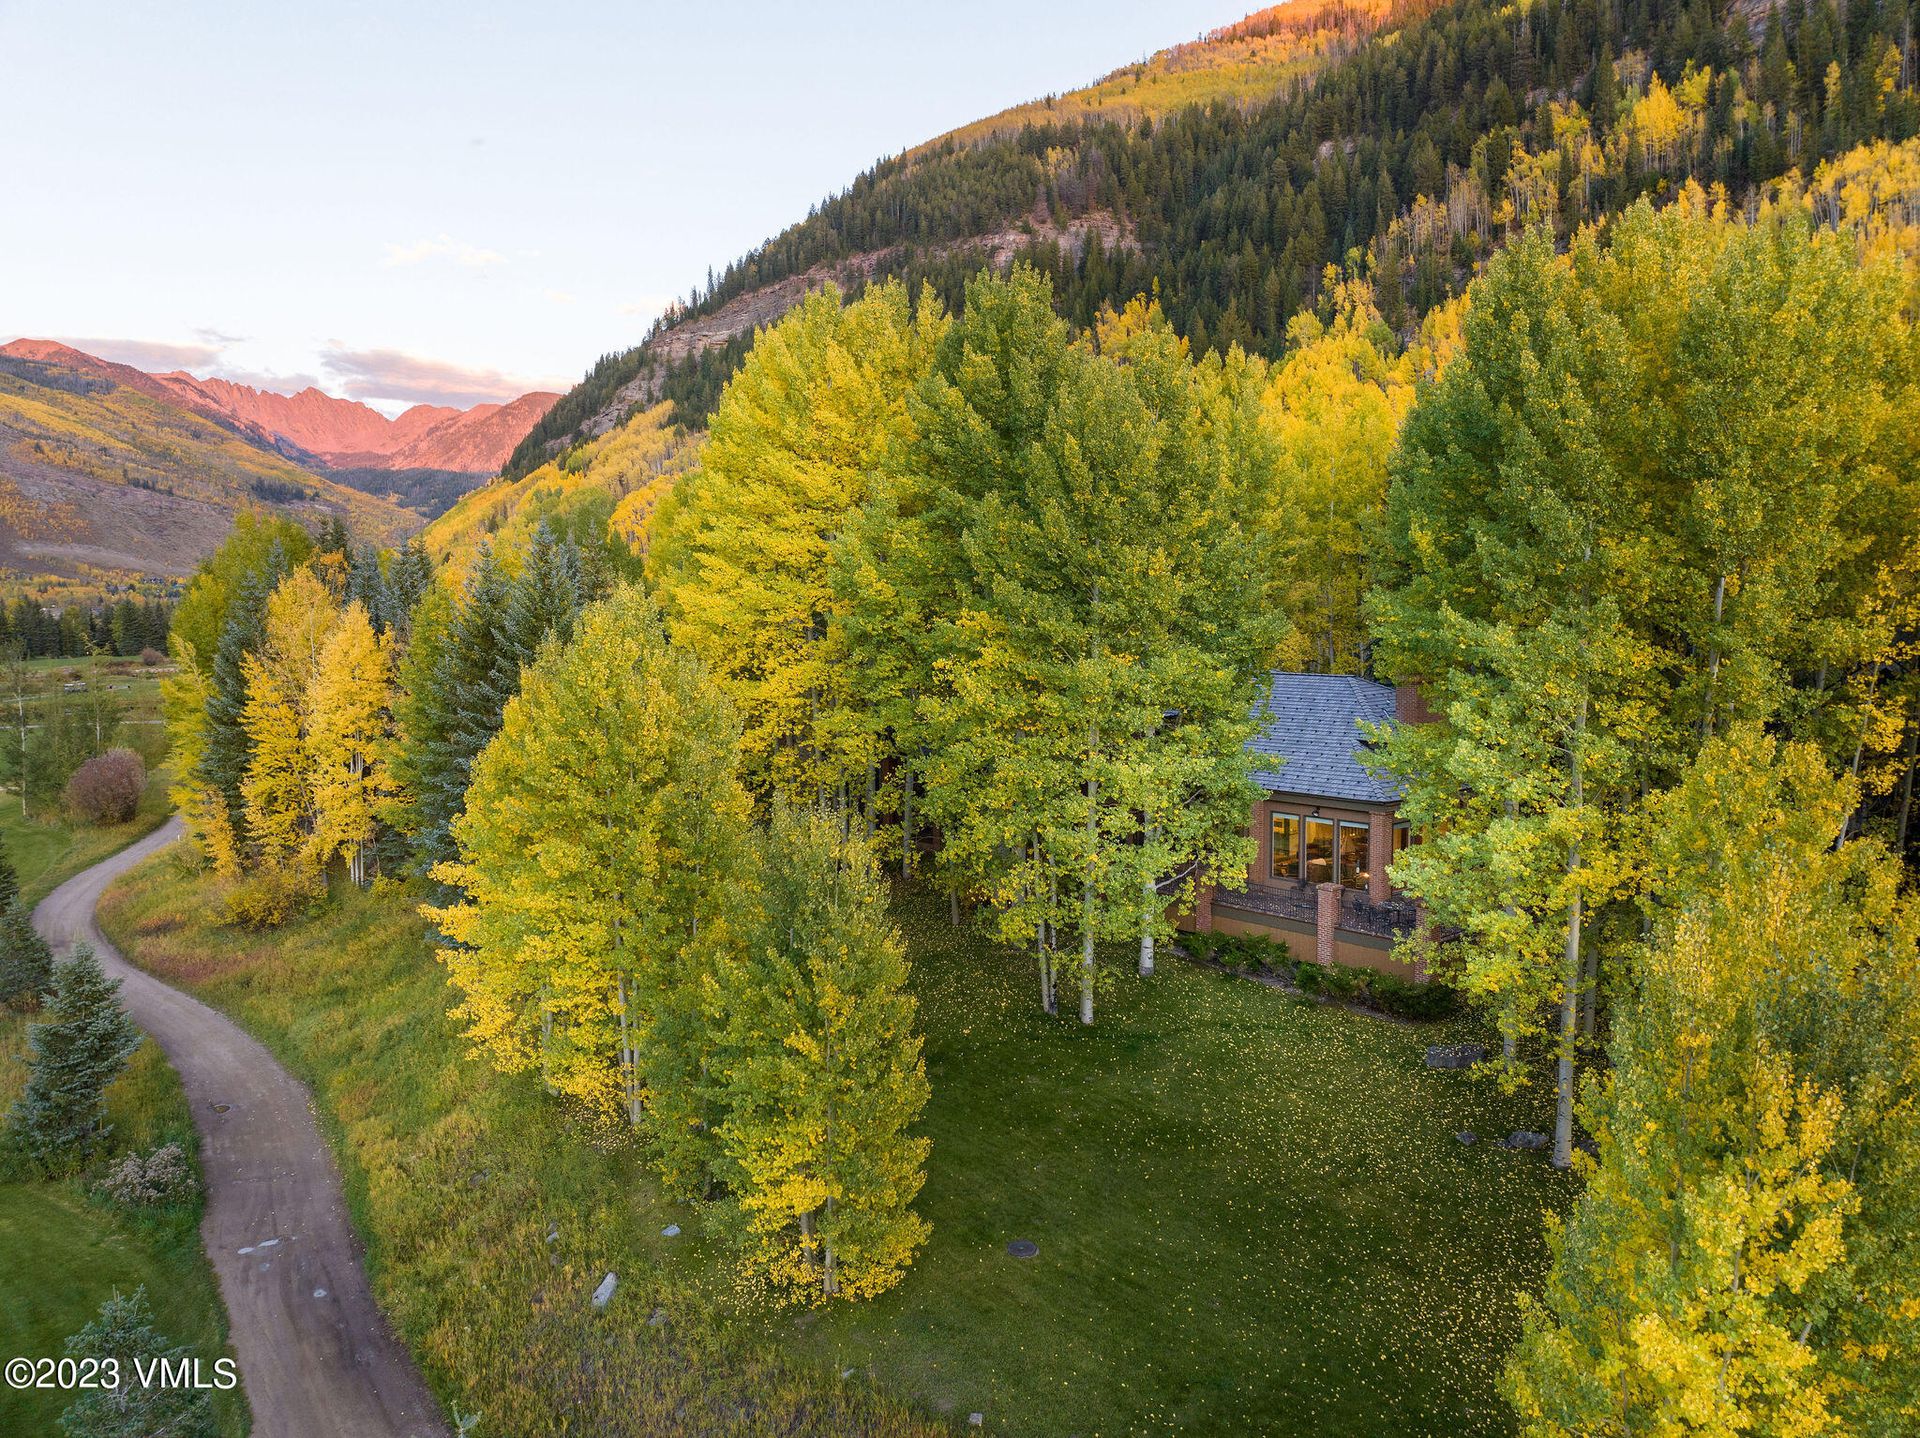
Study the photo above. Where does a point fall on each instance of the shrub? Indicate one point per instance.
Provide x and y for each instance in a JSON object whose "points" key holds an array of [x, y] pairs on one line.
{"points": [[1393, 995], [107, 788], [1201, 946], [270, 897], [146, 1181], [151, 657], [1310, 977]]}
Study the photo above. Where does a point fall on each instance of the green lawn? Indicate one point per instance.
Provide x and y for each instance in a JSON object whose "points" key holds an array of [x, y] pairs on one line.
{"points": [[1252, 1212], [65, 1252]]}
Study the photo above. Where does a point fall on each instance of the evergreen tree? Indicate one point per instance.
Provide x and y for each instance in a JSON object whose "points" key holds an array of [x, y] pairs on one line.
{"points": [[123, 1331], [367, 586], [823, 1074], [79, 1048], [26, 963], [448, 711], [226, 750], [408, 579], [9, 879]]}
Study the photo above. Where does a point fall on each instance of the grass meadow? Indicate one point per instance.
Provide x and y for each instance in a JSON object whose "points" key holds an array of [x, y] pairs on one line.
{"points": [[1251, 1210], [66, 1251]]}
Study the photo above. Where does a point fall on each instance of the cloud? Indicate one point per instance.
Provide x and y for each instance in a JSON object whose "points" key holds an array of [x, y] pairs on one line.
{"points": [[392, 375], [150, 355], [219, 340], [646, 307], [443, 247], [558, 297], [269, 380]]}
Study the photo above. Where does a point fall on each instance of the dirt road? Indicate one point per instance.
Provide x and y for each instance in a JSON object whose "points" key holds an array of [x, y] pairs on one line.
{"points": [[316, 1357]]}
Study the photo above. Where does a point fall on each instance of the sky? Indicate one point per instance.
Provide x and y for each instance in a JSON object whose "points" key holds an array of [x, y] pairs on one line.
{"points": [[405, 202]]}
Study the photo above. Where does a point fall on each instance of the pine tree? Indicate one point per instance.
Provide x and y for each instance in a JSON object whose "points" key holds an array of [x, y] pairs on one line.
{"points": [[823, 1075], [226, 749], [124, 1331], [9, 879], [348, 703], [614, 774], [466, 706], [367, 586], [79, 1048], [408, 579], [26, 963]]}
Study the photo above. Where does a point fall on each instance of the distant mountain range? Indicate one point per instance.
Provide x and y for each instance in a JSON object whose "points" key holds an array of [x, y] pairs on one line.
{"points": [[317, 429], [108, 472]]}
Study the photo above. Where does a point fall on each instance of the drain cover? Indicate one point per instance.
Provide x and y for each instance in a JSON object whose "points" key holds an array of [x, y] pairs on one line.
{"points": [[1023, 1248], [221, 1107]]}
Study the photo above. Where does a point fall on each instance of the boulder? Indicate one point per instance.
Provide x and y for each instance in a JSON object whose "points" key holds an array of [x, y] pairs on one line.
{"points": [[1455, 1056], [603, 1295]]}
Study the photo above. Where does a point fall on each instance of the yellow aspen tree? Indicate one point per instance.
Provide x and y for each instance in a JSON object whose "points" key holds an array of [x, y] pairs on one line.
{"points": [[277, 790], [823, 1073], [348, 703], [817, 410]]}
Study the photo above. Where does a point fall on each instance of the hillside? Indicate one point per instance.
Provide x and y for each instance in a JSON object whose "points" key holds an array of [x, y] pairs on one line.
{"points": [[1412, 153], [318, 429], [100, 475]]}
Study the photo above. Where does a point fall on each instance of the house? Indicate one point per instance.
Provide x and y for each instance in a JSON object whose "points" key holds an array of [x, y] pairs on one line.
{"points": [[1326, 829]]}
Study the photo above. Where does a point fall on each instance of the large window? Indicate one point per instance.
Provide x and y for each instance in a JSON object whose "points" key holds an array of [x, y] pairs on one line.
{"points": [[1319, 851], [1355, 867], [1286, 846]]}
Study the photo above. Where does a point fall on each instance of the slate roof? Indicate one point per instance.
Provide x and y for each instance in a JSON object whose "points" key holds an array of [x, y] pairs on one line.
{"points": [[1311, 721]]}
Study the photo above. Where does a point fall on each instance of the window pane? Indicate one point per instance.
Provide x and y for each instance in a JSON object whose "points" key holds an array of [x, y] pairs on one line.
{"points": [[1286, 846], [1319, 851], [1353, 855], [1402, 836]]}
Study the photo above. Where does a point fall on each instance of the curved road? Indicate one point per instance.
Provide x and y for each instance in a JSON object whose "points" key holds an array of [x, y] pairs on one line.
{"points": [[316, 1357]]}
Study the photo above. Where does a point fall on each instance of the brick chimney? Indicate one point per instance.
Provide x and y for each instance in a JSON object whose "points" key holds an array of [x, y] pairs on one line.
{"points": [[1409, 705]]}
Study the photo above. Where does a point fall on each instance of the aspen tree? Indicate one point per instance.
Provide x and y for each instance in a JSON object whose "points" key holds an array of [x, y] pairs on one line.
{"points": [[600, 854], [823, 1076], [348, 701]]}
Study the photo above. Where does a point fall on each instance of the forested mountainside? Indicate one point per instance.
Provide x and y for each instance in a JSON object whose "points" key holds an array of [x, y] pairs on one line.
{"points": [[98, 477], [1413, 156]]}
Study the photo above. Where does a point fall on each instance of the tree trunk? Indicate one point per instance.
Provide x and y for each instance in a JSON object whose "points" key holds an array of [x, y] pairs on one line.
{"points": [[953, 907], [1570, 978], [906, 823], [1906, 792]]}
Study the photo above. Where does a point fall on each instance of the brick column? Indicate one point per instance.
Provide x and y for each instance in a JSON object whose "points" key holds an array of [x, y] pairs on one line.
{"points": [[1326, 918], [1420, 928], [1203, 909], [1379, 855]]}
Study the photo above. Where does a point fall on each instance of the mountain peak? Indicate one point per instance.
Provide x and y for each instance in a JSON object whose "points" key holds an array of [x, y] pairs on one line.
{"points": [[335, 433]]}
